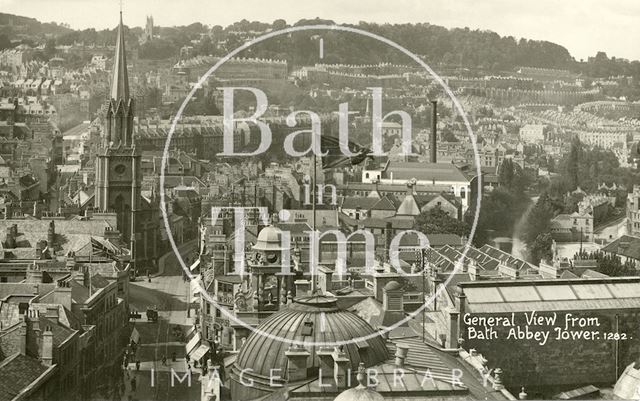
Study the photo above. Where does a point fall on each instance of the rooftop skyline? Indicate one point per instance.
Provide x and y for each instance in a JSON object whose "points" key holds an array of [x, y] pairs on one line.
{"points": [[561, 22]]}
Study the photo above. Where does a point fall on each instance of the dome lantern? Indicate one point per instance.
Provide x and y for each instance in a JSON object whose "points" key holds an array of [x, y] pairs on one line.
{"points": [[269, 240]]}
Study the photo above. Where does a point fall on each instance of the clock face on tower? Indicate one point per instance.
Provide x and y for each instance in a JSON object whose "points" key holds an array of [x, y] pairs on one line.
{"points": [[120, 169], [272, 257]]}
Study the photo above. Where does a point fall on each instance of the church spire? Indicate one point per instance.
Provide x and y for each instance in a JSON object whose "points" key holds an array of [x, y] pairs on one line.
{"points": [[120, 80]]}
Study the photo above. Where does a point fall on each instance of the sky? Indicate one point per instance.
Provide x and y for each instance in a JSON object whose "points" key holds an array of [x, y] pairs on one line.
{"points": [[584, 27]]}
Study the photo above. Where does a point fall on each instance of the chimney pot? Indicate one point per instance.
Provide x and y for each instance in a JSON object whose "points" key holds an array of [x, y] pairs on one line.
{"points": [[401, 355]]}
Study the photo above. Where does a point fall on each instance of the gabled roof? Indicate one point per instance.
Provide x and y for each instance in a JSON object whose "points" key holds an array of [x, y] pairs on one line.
{"points": [[408, 207], [568, 274], [424, 199], [384, 203], [358, 202], [589, 273]]}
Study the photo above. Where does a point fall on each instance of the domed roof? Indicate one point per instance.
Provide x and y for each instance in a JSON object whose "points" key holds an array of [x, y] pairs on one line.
{"points": [[361, 392], [392, 285], [314, 319], [269, 239]]}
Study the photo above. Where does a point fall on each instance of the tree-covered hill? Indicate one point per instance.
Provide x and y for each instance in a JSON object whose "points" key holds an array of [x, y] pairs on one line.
{"points": [[482, 50]]}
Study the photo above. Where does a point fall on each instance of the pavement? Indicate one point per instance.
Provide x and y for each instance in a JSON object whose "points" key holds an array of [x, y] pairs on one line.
{"points": [[169, 293]]}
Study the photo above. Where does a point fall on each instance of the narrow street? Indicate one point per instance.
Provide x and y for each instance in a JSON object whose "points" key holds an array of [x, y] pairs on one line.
{"points": [[169, 293]]}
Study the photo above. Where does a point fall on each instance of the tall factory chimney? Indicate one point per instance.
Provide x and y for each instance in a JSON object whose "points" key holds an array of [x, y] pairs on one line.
{"points": [[434, 133]]}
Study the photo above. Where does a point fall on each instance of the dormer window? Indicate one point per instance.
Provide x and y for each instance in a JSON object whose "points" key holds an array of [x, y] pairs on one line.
{"points": [[307, 329]]}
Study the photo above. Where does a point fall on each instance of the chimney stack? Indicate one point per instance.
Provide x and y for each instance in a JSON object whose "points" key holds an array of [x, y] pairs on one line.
{"points": [[39, 248], [297, 357], [10, 241], [325, 354], [434, 128], [452, 337], [51, 234], [47, 347], [23, 335], [302, 287], [341, 368]]}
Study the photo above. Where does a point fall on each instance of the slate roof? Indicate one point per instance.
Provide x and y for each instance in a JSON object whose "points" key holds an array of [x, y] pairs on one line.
{"points": [[9, 314], [60, 332], [425, 171], [626, 245], [385, 203], [71, 234], [438, 240], [424, 199], [16, 373], [7, 289], [408, 207], [392, 188], [593, 274], [65, 316]]}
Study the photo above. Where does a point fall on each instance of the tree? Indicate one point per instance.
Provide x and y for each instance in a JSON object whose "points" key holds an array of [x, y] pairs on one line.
{"points": [[279, 24], [540, 249], [536, 231], [205, 47], [513, 178], [437, 221], [506, 173], [571, 202], [612, 265], [5, 42], [50, 48], [572, 167], [158, 49]]}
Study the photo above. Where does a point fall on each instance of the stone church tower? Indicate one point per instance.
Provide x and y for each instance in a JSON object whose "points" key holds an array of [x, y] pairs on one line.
{"points": [[118, 176]]}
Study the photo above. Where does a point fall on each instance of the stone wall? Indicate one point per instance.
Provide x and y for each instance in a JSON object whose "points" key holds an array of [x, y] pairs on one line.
{"points": [[559, 363]]}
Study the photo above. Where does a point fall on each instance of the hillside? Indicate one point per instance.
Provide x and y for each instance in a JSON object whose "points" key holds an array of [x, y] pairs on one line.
{"points": [[481, 51], [14, 28]]}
